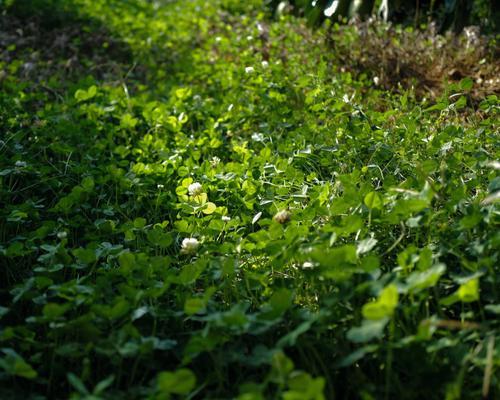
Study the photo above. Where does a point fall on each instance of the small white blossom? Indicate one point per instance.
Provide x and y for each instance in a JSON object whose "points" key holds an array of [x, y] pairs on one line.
{"points": [[282, 217], [329, 11], [307, 265], [160, 186], [226, 218], [249, 70], [189, 245], [249, 38], [265, 64], [21, 164], [29, 66], [214, 161], [62, 235], [281, 8], [257, 137], [376, 80], [494, 165], [218, 39], [195, 189]]}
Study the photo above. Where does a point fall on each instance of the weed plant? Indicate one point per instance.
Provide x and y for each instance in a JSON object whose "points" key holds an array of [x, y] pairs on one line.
{"points": [[200, 202]]}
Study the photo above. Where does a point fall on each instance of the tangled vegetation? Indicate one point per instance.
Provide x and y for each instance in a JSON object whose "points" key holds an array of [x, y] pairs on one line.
{"points": [[446, 15], [201, 202]]}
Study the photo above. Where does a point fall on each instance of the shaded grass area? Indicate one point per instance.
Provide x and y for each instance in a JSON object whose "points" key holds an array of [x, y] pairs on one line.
{"points": [[52, 45], [382, 274]]}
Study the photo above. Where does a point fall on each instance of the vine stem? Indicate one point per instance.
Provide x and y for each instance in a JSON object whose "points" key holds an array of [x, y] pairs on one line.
{"points": [[388, 361]]}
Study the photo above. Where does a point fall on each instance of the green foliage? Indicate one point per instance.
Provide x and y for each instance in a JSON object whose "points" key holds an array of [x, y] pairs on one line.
{"points": [[231, 214], [454, 14]]}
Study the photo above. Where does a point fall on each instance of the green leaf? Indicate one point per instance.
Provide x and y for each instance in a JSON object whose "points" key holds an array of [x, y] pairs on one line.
{"points": [[460, 103], [180, 382], [3, 311], [209, 208], [466, 84], [303, 385], [194, 305], [335, 258], [88, 184], [281, 367], [103, 385], [424, 259], [493, 308], [235, 317], [139, 223], [384, 306], [449, 300], [128, 121], [15, 365], [120, 308], [159, 238], [127, 261], [279, 302], [82, 95], [356, 355], [291, 337], [373, 200], [85, 256], [419, 281], [53, 310], [365, 245], [24, 370], [437, 107], [369, 330], [77, 383], [370, 263], [191, 272], [469, 291]]}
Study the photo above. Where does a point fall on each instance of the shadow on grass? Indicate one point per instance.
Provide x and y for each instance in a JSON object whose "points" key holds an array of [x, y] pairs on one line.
{"points": [[51, 43]]}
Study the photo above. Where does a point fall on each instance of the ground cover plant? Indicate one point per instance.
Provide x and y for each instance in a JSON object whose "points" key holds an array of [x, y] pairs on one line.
{"points": [[200, 201]]}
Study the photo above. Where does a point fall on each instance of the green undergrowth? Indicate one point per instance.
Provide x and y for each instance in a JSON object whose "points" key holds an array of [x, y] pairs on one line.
{"points": [[204, 204]]}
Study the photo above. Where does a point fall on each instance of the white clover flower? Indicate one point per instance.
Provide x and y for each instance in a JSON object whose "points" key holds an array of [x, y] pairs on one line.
{"points": [[62, 235], [21, 164], [257, 137], [376, 80], [226, 218], [214, 161], [189, 245], [281, 7], [249, 70], [265, 64], [195, 189], [282, 217], [307, 265], [160, 186]]}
